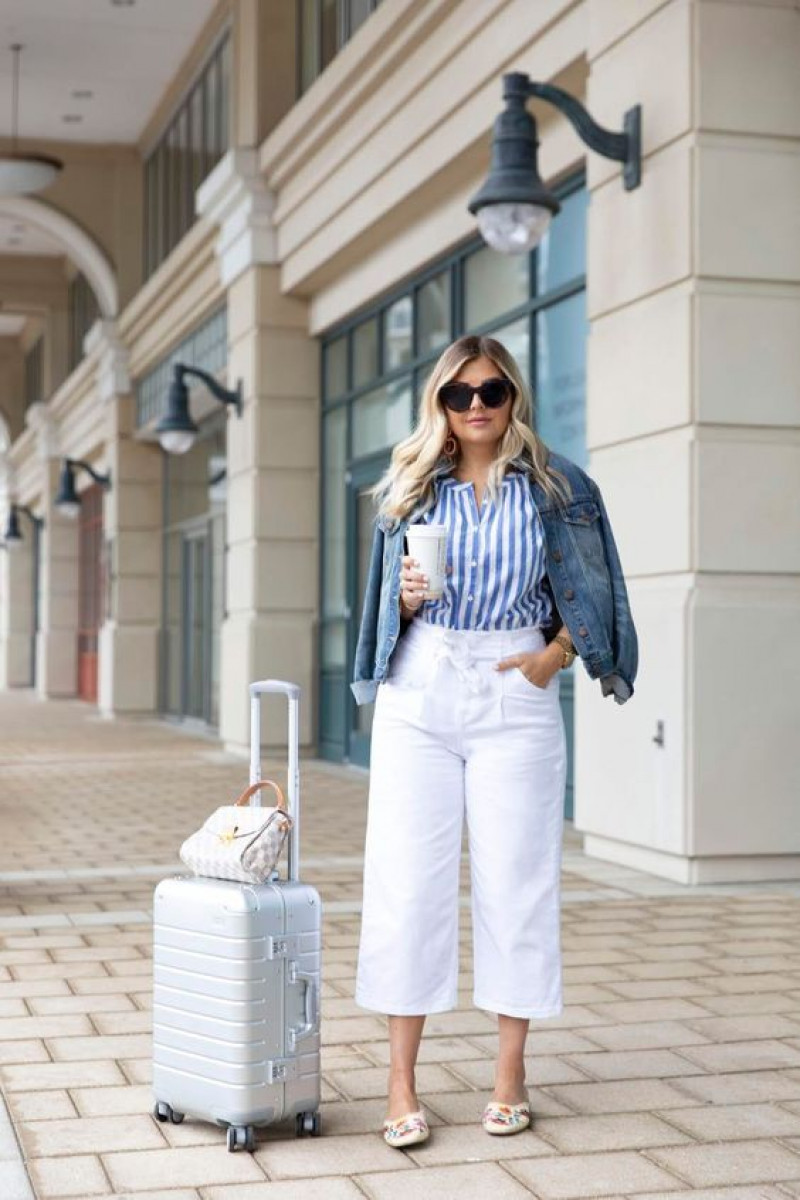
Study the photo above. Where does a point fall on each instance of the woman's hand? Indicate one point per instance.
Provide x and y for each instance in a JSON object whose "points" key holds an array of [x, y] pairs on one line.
{"points": [[538, 666], [412, 587]]}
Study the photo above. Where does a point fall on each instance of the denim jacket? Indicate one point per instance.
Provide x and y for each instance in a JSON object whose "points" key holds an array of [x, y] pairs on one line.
{"points": [[584, 579]]}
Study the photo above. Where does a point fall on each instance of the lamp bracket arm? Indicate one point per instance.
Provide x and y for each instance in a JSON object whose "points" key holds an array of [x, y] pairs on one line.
{"points": [[104, 480], [625, 147], [223, 394], [30, 514]]}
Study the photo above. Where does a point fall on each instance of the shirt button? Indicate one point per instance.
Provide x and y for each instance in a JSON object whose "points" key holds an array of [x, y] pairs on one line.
{"points": [[569, 593], [474, 562], [470, 596], [556, 556], [583, 631]]}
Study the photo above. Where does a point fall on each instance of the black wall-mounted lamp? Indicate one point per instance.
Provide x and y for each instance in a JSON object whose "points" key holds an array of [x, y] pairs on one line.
{"points": [[67, 500], [176, 430], [514, 207], [12, 538]]}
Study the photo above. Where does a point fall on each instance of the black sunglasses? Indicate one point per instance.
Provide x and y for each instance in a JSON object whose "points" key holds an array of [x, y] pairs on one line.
{"points": [[458, 396]]}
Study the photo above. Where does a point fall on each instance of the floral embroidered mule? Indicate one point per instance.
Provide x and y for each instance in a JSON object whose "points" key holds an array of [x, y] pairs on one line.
{"points": [[406, 1130], [506, 1118]]}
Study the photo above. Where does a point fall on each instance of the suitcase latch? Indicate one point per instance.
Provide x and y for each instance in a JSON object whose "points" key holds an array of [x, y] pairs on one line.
{"points": [[279, 1070], [281, 947]]}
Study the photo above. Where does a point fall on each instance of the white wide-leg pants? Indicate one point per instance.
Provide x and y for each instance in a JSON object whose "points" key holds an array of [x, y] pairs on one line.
{"points": [[452, 736]]}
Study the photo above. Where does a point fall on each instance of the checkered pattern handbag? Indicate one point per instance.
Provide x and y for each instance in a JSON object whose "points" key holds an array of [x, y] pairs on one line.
{"points": [[240, 842]]}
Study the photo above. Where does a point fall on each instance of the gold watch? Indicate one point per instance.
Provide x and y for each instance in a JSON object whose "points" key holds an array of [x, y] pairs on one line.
{"points": [[570, 653]]}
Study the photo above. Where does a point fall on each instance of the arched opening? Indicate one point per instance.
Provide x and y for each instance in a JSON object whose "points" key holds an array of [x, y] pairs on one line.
{"points": [[77, 244]]}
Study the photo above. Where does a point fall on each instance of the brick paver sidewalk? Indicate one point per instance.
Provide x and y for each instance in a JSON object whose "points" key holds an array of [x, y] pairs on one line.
{"points": [[675, 1065]]}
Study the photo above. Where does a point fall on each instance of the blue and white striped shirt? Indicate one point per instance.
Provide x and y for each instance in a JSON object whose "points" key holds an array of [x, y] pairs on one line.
{"points": [[497, 555]]}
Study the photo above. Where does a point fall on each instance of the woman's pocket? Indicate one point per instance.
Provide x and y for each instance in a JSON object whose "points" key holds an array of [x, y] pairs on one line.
{"points": [[517, 684]]}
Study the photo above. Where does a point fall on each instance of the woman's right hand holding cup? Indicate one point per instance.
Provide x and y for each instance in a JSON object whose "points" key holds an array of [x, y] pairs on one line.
{"points": [[413, 585]]}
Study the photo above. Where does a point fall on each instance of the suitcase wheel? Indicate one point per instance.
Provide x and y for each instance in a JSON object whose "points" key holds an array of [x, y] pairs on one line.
{"points": [[164, 1112], [241, 1137], [307, 1122]]}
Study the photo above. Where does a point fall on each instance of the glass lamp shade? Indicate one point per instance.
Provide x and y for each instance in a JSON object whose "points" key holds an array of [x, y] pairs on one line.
{"points": [[176, 430], [513, 228], [176, 441], [67, 500], [21, 174], [69, 508]]}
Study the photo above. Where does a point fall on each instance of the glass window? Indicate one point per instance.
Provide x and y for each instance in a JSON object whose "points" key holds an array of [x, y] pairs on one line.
{"points": [[224, 57], [516, 339], [334, 500], [397, 327], [330, 31], [198, 133], [34, 373], [560, 403], [193, 142], [83, 312], [156, 221], [308, 43], [365, 352], [494, 284], [185, 192], [211, 128], [382, 417], [336, 368], [434, 318], [561, 255], [325, 25], [359, 11]]}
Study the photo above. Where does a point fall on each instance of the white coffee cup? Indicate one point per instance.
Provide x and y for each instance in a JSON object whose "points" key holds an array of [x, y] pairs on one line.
{"points": [[428, 545]]}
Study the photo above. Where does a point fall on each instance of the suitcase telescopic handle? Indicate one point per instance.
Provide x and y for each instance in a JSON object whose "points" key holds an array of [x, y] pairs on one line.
{"points": [[292, 693]]}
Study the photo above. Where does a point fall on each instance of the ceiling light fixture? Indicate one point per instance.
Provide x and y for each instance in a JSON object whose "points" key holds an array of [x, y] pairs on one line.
{"points": [[21, 174]]}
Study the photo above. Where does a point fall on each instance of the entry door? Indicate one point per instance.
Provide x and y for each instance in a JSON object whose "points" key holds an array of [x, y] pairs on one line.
{"points": [[360, 517], [197, 624], [89, 589]]}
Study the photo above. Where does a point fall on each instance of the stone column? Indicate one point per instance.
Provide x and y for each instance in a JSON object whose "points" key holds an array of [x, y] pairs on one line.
{"points": [[132, 518], [269, 628], [693, 415]]}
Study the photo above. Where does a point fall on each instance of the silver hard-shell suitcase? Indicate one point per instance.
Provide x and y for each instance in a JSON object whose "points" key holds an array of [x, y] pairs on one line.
{"points": [[236, 984]]}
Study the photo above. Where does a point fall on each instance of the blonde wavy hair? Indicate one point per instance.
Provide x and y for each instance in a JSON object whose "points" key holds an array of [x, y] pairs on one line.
{"points": [[409, 476]]}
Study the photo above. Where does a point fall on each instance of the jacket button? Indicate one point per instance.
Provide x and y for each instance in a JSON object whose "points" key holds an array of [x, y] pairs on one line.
{"points": [[569, 593], [583, 631], [557, 556]]}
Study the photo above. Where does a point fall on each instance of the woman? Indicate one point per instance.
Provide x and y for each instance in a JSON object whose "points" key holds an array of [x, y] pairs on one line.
{"points": [[467, 716]]}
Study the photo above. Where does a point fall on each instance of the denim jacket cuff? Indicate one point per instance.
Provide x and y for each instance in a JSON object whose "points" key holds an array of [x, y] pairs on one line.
{"points": [[617, 685]]}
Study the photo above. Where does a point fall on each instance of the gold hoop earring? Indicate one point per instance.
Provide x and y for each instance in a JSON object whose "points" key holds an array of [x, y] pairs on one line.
{"points": [[450, 446]]}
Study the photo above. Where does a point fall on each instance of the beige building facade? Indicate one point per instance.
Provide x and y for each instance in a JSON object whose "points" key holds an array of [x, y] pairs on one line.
{"points": [[290, 213]]}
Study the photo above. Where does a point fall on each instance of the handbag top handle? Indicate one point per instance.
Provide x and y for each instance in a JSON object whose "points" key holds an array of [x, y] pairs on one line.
{"points": [[255, 787]]}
